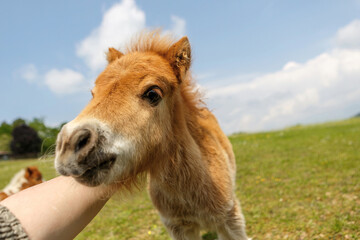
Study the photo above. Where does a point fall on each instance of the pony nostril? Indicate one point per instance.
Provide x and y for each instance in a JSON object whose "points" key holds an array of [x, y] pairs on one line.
{"points": [[83, 140]]}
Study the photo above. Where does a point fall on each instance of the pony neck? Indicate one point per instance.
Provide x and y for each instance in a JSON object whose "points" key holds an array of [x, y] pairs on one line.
{"points": [[182, 154]]}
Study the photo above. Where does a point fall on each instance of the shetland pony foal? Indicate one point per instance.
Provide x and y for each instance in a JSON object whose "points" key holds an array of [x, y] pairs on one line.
{"points": [[145, 117]]}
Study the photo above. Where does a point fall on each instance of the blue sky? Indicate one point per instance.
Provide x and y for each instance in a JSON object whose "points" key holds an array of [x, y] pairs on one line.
{"points": [[261, 64]]}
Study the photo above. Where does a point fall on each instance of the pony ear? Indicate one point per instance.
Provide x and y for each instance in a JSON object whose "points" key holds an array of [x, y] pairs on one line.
{"points": [[28, 172], [179, 56], [113, 54]]}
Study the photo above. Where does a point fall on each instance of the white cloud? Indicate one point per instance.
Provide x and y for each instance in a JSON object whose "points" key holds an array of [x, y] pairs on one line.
{"points": [[349, 36], [178, 27], [118, 25], [290, 65], [65, 81], [291, 106], [327, 85], [29, 73]]}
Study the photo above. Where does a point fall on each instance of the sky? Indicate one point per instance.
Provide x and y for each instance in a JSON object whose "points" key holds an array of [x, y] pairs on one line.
{"points": [[262, 65]]}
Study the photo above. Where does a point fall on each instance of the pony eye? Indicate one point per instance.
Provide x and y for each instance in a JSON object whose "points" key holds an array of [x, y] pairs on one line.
{"points": [[153, 95]]}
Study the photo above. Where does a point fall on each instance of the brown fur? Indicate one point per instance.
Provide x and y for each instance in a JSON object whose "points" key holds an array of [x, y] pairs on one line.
{"points": [[33, 177], [3, 196], [179, 142]]}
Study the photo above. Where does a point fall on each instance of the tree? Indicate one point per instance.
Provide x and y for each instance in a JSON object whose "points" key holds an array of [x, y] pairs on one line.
{"points": [[25, 140], [47, 134], [5, 136], [38, 125], [5, 128], [17, 122], [5, 140]]}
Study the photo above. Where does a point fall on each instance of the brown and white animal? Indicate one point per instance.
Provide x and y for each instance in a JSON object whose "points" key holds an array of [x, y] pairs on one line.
{"points": [[23, 179], [146, 117]]}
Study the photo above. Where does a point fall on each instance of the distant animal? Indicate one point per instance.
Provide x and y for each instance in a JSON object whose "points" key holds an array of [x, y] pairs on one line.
{"points": [[25, 178], [146, 117]]}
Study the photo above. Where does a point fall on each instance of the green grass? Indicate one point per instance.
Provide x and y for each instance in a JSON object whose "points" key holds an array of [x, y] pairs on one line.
{"points": [[297, 183]]}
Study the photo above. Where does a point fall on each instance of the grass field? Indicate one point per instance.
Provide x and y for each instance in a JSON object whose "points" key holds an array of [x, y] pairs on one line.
{"points": [[297, 183]]}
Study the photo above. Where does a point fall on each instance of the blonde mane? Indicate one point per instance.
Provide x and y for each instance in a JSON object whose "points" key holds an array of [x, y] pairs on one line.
{"points": [[151, 41]]}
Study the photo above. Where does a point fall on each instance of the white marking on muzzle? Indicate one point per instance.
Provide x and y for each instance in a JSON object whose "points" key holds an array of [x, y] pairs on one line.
{"points": [[114, 143]]}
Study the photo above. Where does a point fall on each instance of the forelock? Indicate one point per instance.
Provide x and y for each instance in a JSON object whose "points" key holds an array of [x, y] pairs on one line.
{"points": [[151, 41]]}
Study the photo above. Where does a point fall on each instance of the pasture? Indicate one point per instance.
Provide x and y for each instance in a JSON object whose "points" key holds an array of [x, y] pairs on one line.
{"points": [[298, 183]]}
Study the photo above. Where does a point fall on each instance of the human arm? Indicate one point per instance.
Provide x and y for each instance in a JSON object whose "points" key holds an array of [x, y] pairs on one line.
{"points": [[57, 209]]}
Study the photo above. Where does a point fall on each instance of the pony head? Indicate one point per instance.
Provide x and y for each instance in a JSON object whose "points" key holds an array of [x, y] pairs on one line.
{"points": [[128, 123]]}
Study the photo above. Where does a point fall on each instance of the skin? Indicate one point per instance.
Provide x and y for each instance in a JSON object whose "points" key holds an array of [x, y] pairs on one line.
{"points": [[58, 209]]}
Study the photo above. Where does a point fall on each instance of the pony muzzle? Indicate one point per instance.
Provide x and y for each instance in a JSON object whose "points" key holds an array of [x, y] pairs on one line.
{"points": [[73, 149]]}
